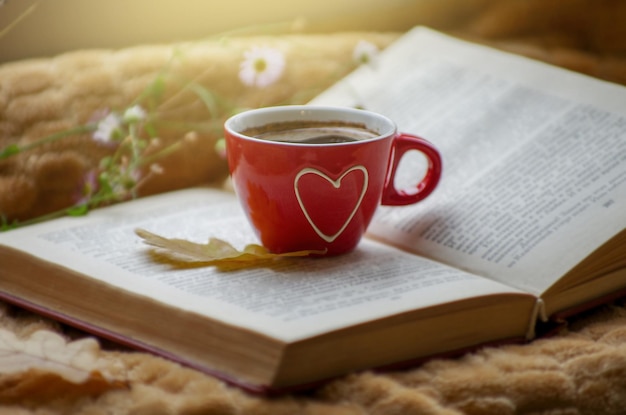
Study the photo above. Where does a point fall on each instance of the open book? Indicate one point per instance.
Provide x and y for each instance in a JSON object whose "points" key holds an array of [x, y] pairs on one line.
{"points": [[527, 225]]}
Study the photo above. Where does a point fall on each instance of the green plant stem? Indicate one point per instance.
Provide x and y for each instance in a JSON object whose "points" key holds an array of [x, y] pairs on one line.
{"points": [[52, 215], [49, 139], [92, 203], [133, 142], [160, 154]]}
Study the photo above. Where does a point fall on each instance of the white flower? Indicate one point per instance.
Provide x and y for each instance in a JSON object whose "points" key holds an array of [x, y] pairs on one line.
{"points": [[191, 137], [155, 142], [365, 52], [134, 114], [262, 66], [156, 168], [108, 128]]}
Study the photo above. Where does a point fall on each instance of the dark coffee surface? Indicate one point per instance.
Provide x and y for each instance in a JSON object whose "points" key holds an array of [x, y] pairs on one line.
{"points": [[311, 132]]}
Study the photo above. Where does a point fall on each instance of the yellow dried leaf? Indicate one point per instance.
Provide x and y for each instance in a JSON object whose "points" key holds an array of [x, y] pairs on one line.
{"points": [[46, 351], [214, 252]]}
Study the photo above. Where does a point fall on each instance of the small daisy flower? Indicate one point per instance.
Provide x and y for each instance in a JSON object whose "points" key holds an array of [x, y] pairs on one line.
{"points": [[156, 168], [262, 66], [134, 114], [191, 137], [108, 128], [154, 143], [365, 52]]}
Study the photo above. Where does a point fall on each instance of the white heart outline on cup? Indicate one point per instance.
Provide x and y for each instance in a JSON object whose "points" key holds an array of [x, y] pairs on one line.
{"points": [[336, 184]]}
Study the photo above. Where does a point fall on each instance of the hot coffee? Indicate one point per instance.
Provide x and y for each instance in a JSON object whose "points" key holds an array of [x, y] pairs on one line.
{"points": [[311, 132]]}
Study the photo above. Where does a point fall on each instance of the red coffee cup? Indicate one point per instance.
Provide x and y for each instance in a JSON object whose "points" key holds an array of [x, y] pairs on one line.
{"points": [[319, 196]]}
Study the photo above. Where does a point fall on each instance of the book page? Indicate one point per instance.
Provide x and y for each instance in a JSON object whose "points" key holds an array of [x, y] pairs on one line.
{"points": [[288, 299], [534, 156]]}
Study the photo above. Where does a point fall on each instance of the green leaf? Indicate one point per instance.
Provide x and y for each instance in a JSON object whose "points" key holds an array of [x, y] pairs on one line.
{"points": [[78, 210], [151, 129], [9, 151], [5, 225], [105, 162]]}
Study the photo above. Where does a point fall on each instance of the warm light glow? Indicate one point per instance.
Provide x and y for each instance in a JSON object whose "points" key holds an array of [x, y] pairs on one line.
{"points": [[60, 25]]}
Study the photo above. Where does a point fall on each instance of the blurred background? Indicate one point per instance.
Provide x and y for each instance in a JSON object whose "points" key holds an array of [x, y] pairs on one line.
{"points": [[41, 28]]}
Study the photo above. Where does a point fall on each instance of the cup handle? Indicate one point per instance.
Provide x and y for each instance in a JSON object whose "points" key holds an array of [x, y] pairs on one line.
{"points": [[403, 143]]}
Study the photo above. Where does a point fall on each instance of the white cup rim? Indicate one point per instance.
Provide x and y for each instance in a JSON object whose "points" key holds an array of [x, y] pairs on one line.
{"points": [[381, 125]]}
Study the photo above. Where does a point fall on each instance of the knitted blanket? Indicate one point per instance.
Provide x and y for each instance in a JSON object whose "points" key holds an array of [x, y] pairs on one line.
{"points": [[579, 371]]}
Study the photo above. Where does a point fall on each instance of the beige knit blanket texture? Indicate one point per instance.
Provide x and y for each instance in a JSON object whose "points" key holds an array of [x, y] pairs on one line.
{"points": [[581, 370]]}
